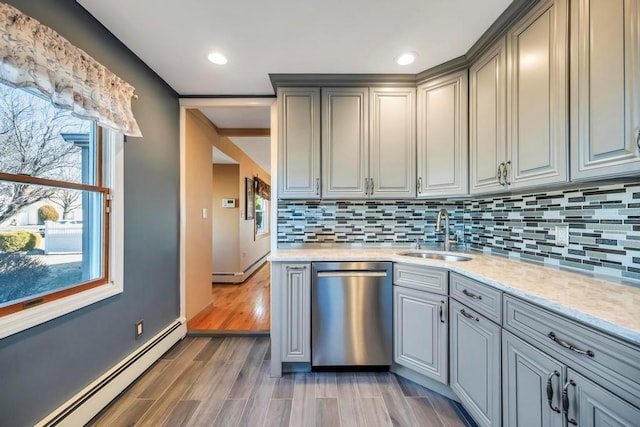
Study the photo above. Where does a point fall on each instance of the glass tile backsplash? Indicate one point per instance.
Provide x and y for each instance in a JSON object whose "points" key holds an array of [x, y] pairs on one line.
{"points": [[603, 223]]}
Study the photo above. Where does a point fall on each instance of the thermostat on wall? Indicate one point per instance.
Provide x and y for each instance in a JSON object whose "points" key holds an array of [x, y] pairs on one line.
{"points": [[228, 203]]}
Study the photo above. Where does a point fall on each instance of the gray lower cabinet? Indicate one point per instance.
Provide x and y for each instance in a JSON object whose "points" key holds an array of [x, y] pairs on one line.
{"points": [[590, 405], [534, 385], [421, 332], [296, 315], [531, 385], [299, 143], [475, 363], [605, 89]]}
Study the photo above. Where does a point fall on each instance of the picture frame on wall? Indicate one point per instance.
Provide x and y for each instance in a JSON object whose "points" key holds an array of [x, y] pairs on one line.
{"points": [[250, 199]]}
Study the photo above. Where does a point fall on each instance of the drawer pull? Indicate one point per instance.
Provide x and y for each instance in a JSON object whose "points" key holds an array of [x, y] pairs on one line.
{"points": [[565, 402], [571, 347], [469, 316], [301, 267], [550, 391], [471, 295]]}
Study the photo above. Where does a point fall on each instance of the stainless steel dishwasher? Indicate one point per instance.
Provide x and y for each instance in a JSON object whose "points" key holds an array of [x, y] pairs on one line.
{"points": [[351, 314]]}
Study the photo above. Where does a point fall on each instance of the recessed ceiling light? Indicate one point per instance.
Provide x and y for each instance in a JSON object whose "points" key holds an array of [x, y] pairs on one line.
{"points": [[406, 58], [217, 58]]}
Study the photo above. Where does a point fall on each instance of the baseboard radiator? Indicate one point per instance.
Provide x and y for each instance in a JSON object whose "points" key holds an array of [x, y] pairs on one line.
{"points": [[85, 405], [239, 276]]}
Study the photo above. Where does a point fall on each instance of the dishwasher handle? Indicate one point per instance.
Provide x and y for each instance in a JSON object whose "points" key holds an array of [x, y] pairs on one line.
{"points": [[353, 273]]}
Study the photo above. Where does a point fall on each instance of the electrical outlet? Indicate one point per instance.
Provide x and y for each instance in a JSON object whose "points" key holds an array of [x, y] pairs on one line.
{"points": [[139, 328], [205, 213], [562, 235]]}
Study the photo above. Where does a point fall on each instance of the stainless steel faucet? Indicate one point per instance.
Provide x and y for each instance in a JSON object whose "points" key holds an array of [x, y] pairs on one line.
{"points": [[447, 242]]}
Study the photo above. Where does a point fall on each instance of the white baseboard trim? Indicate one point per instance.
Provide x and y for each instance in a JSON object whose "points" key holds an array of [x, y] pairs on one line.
{"points": [[240, 276], [85, 405]]}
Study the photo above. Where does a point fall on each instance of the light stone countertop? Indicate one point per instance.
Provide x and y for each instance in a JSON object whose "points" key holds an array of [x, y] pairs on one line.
{"points": [[610, 307]]}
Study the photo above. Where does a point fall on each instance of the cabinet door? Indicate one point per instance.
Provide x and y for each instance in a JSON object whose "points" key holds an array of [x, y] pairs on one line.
{"points": [[420, 332], [537, 96], [529, 379], [475, 363], [442, 136], [345, 143], [605, 88], [595, 406], [299, 143], [392, 141], [296, 316], [488, 120]]}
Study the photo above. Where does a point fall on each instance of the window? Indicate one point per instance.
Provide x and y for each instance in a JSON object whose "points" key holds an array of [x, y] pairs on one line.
{"points": [[262, 215], [56, 232]]}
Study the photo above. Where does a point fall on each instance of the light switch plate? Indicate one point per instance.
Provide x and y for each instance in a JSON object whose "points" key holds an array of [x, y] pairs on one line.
{"points": [[562, 235]]}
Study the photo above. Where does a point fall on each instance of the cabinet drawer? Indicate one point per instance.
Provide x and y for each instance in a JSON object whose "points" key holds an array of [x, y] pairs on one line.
{"points": [[482, 298], [611, 362], [421, 278]]}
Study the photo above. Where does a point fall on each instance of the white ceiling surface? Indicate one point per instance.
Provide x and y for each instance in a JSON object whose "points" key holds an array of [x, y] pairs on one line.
{"points": [[239, 117], [256, 147], [289, 36], [221, 158]]}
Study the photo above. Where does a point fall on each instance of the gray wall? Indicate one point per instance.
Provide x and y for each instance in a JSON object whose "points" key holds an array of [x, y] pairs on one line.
{"points": [[43, 367]]}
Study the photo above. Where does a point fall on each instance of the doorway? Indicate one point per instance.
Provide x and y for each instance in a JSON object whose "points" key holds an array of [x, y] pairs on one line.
{"points": [[231, 213]]}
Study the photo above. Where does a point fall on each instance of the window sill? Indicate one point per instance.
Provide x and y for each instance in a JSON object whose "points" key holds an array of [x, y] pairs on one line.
{"points": [[22, 320]]}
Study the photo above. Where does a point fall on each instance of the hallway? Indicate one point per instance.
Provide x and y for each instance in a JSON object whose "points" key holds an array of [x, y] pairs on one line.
{"points": [[243, 307]]}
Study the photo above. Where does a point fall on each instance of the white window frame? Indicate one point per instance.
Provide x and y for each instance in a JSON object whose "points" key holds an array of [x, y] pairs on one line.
{"points": [[265, 218], [113, 178]]}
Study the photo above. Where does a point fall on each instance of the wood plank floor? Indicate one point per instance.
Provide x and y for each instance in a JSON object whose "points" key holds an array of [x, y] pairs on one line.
{"points": [[243, 307], [225, 382]]}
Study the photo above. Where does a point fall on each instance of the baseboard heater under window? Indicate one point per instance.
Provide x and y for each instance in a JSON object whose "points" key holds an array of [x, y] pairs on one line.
{"points": [[61, 415]]}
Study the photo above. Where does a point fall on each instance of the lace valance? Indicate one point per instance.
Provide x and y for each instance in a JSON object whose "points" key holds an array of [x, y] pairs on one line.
{"points": [[34, 55]]}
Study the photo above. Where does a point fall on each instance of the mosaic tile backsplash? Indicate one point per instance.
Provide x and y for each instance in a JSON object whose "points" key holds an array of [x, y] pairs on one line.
{"points": [[603, 221], [363, 222]]}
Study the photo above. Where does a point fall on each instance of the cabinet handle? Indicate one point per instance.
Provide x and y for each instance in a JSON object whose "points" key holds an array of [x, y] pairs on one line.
{"points": [[638, 138], [500, 169], [298, 267], [469, 316], [317, 186], [569, 346], [371, 187], [550, 391], [507, 172], [565, 402], [366, 186], [419, 185], [442, 312], [471, 295]]}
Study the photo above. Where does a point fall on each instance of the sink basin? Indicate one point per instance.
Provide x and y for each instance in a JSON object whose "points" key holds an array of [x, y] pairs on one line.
{"points": [[429, 255]]}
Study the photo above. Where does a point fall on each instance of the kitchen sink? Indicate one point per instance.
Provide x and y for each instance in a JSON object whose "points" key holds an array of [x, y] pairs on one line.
{"points": [[430, 255]]}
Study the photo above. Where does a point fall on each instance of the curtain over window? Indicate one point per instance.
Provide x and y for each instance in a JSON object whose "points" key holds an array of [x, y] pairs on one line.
{"points": [[34, 55], [262, 189]]}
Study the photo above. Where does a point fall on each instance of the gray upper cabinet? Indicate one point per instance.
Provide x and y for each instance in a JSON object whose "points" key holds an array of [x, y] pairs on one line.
{"points": [[442, 136], [537, 97], [345, 143], [299, 143], [368, 143], [605, 88], [475, 363], [487, 120], [420, 331], [392, 143], [531, 385]]}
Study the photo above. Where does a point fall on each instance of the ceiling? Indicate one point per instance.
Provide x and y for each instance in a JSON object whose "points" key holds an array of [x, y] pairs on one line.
{"points": [[256, 147], [289, 36], [220, 158], [239, 117]]}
